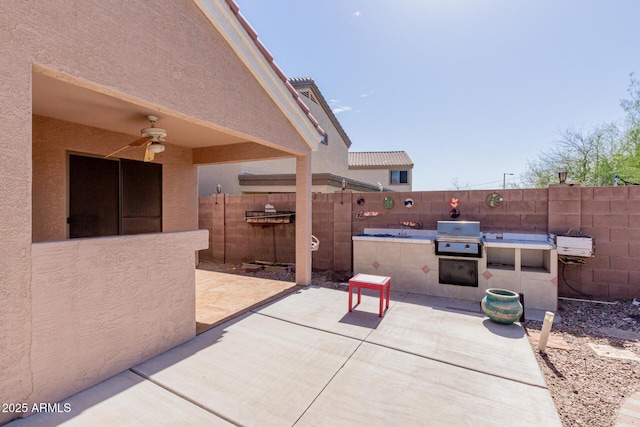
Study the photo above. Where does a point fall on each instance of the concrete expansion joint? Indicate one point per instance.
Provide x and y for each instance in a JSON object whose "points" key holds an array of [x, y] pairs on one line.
{"points": [[323, 330], [544, 387], [304, 326], [330, 380], [463, 367], [184, 397]]}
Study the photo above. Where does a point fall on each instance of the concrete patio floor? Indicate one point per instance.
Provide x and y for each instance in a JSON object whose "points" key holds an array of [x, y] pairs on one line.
{"points": [[304, 360]]}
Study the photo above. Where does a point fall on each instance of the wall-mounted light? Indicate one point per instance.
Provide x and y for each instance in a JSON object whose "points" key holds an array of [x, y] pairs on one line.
{"points": [[218, 191], [344, 187], [562, 177]]}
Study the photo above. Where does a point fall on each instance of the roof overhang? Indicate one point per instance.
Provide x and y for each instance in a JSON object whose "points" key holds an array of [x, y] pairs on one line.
{"points": [[388, 167], [308, 83], [289, 180], [228, 24], [71, 99]]}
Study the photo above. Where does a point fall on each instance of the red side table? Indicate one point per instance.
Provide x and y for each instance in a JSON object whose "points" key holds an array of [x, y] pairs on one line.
{"points": [[370, 281]]}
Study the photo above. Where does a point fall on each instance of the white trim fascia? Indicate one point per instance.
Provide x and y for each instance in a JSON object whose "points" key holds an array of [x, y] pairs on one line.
{"points": [[225, 22]]}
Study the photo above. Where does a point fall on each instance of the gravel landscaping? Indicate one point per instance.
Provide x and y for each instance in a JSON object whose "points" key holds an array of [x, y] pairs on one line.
{"points": [[587, 388]]}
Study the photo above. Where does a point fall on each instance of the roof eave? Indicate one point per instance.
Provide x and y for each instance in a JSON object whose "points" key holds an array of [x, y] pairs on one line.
{"points": [[380, 166], [305, 82], [227, 20]]}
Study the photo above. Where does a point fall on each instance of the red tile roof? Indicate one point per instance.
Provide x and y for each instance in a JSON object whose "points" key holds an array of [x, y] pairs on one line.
{"points": [[267, 55]]}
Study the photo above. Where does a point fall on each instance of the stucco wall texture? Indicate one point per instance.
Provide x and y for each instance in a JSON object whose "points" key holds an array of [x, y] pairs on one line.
{"points": [[15, 234], [164, 54], [329, 158], [383, 176], [54, 139], [103, 305]]}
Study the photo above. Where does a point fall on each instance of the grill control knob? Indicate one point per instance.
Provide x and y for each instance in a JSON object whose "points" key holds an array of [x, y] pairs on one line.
{"points": [[447, 245], [467, 246]]}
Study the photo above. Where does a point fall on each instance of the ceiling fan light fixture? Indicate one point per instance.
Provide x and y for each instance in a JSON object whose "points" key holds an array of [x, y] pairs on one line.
{"points": [[156, 147]]}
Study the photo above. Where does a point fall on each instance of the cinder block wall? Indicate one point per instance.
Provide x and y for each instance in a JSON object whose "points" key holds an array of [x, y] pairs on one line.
{"points": [[523, 211], [611, 215], [233, 240], [211, 217], [240, 241], [322, 224]]}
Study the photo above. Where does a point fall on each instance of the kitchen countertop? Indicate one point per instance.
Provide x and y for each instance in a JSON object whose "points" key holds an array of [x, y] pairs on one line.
{"points": [[395, 238], [508, 240], [519, 243]]}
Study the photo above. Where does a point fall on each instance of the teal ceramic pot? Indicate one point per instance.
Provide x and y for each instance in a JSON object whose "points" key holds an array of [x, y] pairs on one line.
{"points": [[502, 306]]}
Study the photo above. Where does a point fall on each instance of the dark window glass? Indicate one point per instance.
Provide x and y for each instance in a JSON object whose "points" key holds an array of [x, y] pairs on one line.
{"points": [[110, 197], [399, 177], [94, 207]]}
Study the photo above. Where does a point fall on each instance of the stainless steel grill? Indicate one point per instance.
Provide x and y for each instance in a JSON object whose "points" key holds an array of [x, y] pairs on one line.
{"points": [[459, 238]]}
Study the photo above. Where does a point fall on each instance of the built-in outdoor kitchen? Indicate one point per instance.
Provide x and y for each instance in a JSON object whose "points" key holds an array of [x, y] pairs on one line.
{"points": [[458, 260]]}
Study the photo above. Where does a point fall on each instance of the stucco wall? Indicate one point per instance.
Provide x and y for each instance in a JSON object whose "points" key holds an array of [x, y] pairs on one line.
{"points": [[103, 305], [383, 176], [226, 175], [164, 55], [54, 139], [15, 223], [329, 158]]}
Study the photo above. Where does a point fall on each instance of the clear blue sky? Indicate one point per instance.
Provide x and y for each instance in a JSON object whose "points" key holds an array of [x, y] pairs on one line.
{"points": [[470, 89]]}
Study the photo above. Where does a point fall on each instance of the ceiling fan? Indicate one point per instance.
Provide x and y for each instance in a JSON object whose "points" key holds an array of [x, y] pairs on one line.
{"points": [[152, 136]]}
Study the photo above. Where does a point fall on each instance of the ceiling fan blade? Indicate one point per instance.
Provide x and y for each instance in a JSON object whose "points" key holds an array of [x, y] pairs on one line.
{"points": [[115, 152], [148, 155], [140, 141]]}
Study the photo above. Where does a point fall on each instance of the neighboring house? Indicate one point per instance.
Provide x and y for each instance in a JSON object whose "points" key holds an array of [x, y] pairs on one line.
{"points": [[392, 169], [78, 79], [330, 164]]}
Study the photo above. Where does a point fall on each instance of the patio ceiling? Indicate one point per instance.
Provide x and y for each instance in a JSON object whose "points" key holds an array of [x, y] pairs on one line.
{"points": [[59, 99]]}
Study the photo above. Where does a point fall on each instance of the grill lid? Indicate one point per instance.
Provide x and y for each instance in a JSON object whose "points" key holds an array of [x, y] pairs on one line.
{"points": [[458, 230], [459, 238]]}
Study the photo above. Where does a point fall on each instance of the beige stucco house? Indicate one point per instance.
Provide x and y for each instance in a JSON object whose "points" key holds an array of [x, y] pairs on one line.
{"points": [[390, 169], [330, 165], [97, 254]]}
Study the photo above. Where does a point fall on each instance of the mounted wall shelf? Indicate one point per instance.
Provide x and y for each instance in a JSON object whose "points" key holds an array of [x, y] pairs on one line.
{"points": [[269, 218]]}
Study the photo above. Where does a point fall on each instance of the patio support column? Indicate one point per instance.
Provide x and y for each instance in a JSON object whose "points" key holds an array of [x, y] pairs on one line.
{"points": [[303, 220]]}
